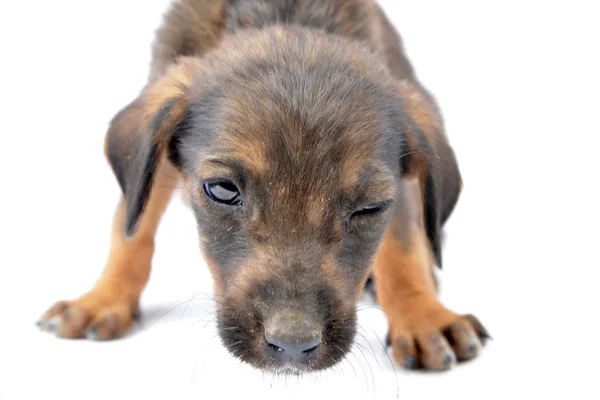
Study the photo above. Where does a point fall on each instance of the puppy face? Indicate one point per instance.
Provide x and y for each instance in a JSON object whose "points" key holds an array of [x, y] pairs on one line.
{"points": [[291, 142], [292, 186]]}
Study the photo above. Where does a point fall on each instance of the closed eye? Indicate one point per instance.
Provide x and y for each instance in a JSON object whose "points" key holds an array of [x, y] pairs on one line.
{"points": [[366, 211], [371, 209]]}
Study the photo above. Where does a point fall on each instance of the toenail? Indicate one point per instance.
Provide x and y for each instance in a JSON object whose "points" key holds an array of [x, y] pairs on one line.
{"points": [[92, 333], [447, 359]]}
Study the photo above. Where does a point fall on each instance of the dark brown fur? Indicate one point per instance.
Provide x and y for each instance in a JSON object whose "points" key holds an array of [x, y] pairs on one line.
{"points": [[312, 110]]}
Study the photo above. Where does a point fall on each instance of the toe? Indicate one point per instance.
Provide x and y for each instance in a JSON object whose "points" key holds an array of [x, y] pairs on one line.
{"points": [[405, 351], [72, 323], [111, 324], [464, 340], [436, 352], [48, 321], [482, 333], [104, 328], [53, 323]]}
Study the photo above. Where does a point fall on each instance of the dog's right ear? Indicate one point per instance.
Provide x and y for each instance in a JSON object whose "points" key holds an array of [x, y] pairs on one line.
{"points": [[139, 136], [428, 156]]}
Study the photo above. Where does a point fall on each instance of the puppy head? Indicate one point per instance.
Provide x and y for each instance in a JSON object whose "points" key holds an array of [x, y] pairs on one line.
{"points": [[292, 142]]}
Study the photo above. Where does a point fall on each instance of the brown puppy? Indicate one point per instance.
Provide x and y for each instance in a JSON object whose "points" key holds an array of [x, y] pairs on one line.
{"points": [[312, 158]]}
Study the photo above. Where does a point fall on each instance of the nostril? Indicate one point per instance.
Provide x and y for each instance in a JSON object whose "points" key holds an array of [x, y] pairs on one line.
{"points": [[274, 347], [311, 349]]}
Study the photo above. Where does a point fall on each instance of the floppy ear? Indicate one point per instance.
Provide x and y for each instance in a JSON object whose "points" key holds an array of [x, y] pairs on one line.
{"points": [[139, 136], [428, 156]]}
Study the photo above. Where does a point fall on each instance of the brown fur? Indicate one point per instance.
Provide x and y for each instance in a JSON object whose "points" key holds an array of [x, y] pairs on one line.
{"points": [[314, 156], [406, 290], [110, 306]]}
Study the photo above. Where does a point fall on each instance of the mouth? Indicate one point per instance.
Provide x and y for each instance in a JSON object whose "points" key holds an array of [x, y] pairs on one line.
{"points": [[290, 369]]}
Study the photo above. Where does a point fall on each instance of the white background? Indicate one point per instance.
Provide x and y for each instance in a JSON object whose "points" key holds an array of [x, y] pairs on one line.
{"points": [[518, 85]]}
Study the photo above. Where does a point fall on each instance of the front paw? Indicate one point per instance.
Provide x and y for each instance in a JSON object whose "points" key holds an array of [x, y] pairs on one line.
{"points": [[89, 318], [439, 348]]}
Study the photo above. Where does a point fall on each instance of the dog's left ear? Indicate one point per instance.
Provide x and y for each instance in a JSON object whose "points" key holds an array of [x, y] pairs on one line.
{"points": [[139, 137], [427, 155]]}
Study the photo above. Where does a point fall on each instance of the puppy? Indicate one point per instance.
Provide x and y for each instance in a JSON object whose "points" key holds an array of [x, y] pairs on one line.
{"points": [[313, 160]]}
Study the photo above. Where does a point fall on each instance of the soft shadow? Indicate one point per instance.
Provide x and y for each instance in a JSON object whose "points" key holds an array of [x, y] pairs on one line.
{"points": [[198, 308]]}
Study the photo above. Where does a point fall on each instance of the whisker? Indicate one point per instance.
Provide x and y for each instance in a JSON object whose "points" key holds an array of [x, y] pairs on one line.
{"points": [[391, 363], [209, 321], [360, 346], [186, 306], [352, 365], [367, 341], [362, 367], [230, 328], [368, 365], [163, 315], [194, 371], [411, 152], [364, 307]]}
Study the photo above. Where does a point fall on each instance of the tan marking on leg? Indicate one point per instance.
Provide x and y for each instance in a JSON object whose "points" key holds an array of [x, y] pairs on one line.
{"points": [[109, 306], [406, 290]]}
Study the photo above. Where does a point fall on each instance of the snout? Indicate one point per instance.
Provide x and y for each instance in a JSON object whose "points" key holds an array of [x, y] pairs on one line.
{"points": [[292, 336], [275, 326]]}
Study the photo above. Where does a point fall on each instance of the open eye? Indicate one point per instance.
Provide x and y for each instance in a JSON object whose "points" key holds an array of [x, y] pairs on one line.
{"points": [[223, 192]]}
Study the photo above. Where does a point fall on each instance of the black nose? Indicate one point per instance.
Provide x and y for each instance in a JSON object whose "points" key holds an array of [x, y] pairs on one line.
{"points": [[292, 336]]}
